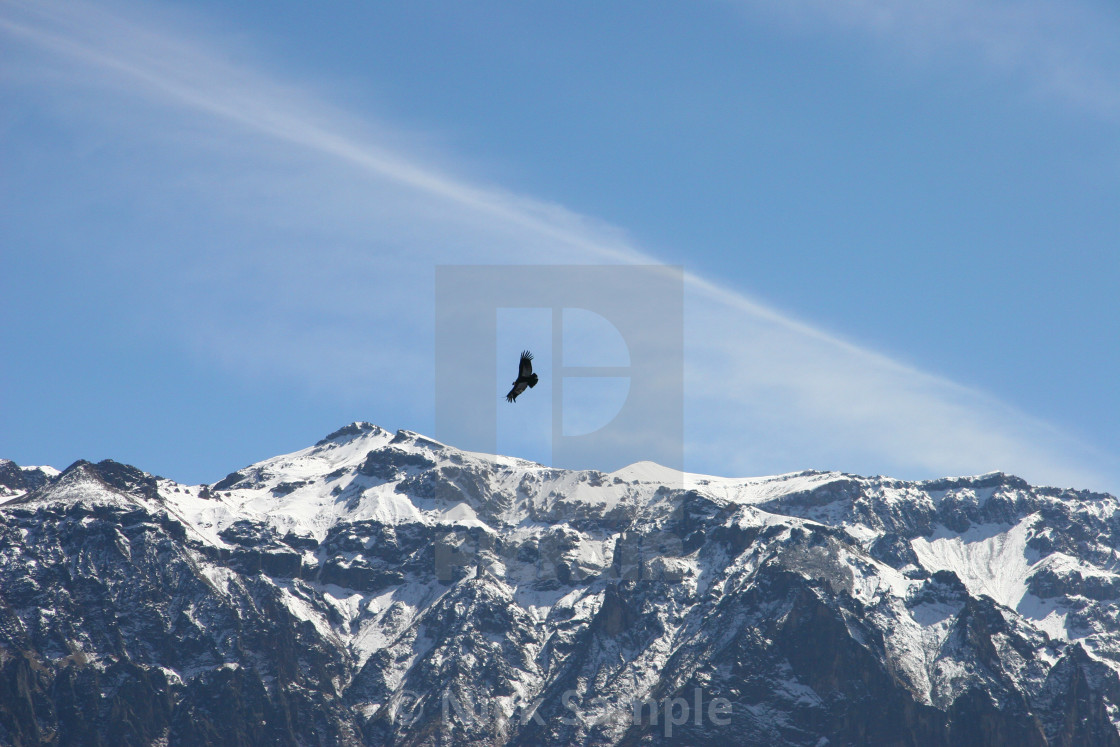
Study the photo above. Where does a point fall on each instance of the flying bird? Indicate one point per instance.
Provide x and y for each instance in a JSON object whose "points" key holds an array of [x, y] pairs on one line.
{"points": [[525, 376]]}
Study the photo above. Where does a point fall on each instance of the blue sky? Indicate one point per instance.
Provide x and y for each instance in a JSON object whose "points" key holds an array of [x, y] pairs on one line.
{"points": [[219, 222]]}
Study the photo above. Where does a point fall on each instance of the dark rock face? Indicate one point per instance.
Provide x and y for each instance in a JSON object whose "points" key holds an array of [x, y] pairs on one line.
{"points": [[349, 431], [16, 478], [380, 589], [102, 609], [388, 464]]}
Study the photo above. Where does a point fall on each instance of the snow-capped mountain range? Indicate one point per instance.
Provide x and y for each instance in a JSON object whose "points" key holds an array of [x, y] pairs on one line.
{"points": [[383, 588]]}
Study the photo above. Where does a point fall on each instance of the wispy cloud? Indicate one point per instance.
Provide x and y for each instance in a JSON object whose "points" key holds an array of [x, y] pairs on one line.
{"points": [[333, 284]]}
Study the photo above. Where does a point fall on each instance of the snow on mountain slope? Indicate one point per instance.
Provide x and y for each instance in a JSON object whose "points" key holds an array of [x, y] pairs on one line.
{"points": [[992, 559], [408, 578], [15, 480]]}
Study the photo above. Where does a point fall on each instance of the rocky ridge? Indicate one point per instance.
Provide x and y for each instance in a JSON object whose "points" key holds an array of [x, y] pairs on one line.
{"points": [[383, 588]]}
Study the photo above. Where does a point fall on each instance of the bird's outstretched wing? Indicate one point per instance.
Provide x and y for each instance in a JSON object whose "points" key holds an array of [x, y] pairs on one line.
{"points": [[525, 369], [518, 388]]}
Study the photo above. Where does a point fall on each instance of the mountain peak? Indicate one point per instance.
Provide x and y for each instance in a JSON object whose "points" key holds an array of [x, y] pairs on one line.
{"points": [[375, 571], [357, 429]]}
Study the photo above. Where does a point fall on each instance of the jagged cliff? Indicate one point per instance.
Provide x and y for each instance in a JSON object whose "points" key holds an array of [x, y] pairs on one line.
{"points": [[382, 588]]}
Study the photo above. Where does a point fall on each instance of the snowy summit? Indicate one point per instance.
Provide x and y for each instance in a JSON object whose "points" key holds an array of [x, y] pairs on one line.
{"points": [[383, 587]]}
